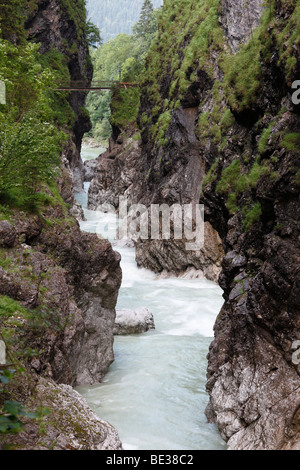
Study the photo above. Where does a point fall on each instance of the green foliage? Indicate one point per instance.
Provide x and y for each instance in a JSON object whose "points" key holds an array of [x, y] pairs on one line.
{"points": [[242, 71], [264, 138], [77, 14], [30, 154], [27, 83], [210, 175], [18, 323], [291, 142], [12, 412], [59, 110], [197, 21], [146, 27], [121, 58], [288, 38], [251, 215], [33, 126], [124, 107], [161, 127], [227, 120], [109, 60], [12, 17], [13, 317], [111, 56], [235, 181], [188, 32], [93, 34], [242, 74], [231, 179], [192, 32], [9, 417], [98, 105], [6, 375], [30, 142]]}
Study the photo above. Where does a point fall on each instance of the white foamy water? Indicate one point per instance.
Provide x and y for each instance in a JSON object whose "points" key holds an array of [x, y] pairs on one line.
{"points": [[154, 393], [90, 153]]}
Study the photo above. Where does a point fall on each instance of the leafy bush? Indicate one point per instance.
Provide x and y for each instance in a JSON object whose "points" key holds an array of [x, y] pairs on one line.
{"points": [[30, 143], [250, 216], [30, 154]]}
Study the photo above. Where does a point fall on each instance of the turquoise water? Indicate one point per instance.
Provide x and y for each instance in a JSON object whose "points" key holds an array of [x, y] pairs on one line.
{"points": [[92, 152], [154, 393]]}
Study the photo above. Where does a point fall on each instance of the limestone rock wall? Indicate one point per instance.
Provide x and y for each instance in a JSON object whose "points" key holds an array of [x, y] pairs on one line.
{"points": [[80, 428], [219, 126], [55, 27], [61, 284], [75, 278]]}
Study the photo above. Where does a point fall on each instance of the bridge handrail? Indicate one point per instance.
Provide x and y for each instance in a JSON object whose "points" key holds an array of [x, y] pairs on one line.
{"points": [[80, 84]]}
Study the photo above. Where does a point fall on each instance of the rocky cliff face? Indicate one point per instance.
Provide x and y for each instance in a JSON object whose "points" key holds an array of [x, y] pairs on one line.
{"points": [[117, 173], [252, 380], [239, 19], [221, 105], [59, 26], [89, 268], [71, 425], [172, 174], [65, 285], [54, 268], [219, 126], [58, 285], [124, 171]]}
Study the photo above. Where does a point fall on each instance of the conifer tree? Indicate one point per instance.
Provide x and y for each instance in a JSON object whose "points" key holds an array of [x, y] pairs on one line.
{"points": [[146, 25], [93, 34]]}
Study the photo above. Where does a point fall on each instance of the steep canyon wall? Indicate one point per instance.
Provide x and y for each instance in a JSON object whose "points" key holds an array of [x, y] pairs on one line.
{"points": [[58, 285], [219, 126]]}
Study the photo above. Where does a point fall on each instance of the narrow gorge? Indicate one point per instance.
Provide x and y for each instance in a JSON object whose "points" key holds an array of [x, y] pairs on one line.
{"points": [[218, 124], [213, 121]]}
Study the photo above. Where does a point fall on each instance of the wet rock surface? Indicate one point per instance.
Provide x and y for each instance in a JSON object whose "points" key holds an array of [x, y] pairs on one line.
{"points": [[89, 169], [80, 428], [170, 257], [130, 322], [117, 174]]}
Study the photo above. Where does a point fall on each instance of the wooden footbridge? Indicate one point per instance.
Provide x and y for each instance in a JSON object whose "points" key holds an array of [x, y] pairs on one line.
{"points": [[94, 86]]}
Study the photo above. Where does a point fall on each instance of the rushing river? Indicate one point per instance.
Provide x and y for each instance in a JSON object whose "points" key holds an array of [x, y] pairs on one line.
{"points": [[154, 393]]}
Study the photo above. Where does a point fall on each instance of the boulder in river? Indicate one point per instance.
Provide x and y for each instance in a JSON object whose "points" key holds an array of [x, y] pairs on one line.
{"points": [[129, 322]]}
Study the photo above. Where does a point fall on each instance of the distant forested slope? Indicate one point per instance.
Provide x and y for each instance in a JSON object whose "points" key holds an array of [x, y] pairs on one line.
{"points": [[115, 16]]}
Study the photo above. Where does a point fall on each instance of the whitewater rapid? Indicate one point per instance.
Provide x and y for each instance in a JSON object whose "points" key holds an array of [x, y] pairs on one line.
{"points": [[154, 393]]}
